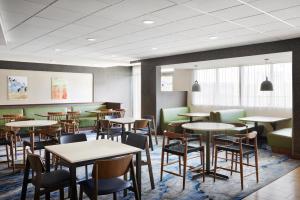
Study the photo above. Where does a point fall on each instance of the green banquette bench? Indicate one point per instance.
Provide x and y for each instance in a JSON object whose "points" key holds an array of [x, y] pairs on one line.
{"points": [[170, 115], [280, 140]]}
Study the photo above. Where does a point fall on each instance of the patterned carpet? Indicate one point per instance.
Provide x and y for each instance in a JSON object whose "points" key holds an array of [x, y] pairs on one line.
{"points": [[271, 167]]}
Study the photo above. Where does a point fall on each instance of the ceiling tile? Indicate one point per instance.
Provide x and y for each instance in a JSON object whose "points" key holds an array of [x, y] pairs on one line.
{"points": [[11, 19], [176, 12], [96, 21], [272, 27], [86, 6], [295, 21], [211, 5], [236, 12], [288, 13], [271, 5], [219, 28], [255, 20], [22, 7]]}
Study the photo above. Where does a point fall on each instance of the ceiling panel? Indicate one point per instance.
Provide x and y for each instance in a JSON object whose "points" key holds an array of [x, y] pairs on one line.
{"points": [[21, 7], [288, 13], [87, 6], [272, 27], [211, 5], [236, 12], [96, 21], [255, 20], [176, 12], [271, 5]]}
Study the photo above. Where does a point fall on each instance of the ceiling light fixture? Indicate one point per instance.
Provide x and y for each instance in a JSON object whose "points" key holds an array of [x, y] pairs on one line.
{"points": [[91, 39], [213, 37], [154, 48], [266, 85], [148, 22], [57, 50]]}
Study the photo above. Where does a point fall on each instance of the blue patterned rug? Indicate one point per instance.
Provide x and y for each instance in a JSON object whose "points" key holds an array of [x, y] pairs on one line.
{"points": [[271, 167]]}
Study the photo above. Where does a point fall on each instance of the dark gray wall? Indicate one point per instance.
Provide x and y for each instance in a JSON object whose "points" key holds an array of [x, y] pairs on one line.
{"points": [[110, 84], [293, 45]]}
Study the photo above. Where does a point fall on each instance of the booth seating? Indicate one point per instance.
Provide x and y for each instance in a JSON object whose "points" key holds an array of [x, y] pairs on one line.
{"points": [[280, 139], [87, 119], [231, 116], [10, 111], [170, 115]]}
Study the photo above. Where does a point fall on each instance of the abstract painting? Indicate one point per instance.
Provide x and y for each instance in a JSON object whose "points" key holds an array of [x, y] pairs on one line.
{"points": [[17, 87], [59, 89]]}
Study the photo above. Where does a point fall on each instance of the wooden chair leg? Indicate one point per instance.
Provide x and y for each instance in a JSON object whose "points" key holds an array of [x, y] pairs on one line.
{"points": [[241, 171], [37, 194], [24, 153], [184, 170], [7, 155], [232, 158], [216, 161], [179, 164], [15, 144], [162, 165], [86, 172], [80, 193], [47, 195], [213, 153], [115, 196], [61, 193], [256, 165], [150, 167], [150, 141], [12, 157], [203, 165]]}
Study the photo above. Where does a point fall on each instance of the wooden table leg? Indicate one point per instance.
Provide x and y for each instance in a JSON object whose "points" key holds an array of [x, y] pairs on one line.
{"points": [[139, 172], [73, 184], [47, 160], [123, 136], [25, 180]]}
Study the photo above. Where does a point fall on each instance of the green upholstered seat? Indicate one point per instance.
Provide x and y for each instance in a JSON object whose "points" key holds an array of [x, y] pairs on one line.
{"points": [[280, 140], [170, 115], [30, 112], [87, 119]]}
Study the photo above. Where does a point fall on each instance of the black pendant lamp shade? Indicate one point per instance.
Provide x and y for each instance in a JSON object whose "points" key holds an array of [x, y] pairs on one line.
{"points": [[266, 85], [196, 87]]}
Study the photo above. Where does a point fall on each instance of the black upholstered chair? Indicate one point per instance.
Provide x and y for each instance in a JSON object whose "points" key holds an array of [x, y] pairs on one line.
{"points": [[140, 141], [105, 178], [142, 127], [46, 182]]}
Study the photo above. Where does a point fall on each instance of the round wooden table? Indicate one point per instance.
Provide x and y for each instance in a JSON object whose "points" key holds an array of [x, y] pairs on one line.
{"points": [[31, 123], [208, 128]]}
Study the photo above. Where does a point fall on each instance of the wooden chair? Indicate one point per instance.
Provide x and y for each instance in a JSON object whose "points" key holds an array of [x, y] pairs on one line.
{"points": [[142, 126], [105, 178], [224, 139], [153, 127], [46, 182], [71, 124], [246, 145], [7, 141], [181, 149], [140, 141], [120, 113], [106, 129]]}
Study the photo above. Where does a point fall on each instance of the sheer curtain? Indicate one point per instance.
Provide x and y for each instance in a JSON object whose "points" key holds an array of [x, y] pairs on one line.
{"points": [[281, 77], [218, 87], [136, 91]]}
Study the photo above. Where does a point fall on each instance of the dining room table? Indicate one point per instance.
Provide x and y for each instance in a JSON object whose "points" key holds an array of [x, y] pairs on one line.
{"points": [[192, 115], [208, 128], [101, 113], [264, 119], [85, 153]]}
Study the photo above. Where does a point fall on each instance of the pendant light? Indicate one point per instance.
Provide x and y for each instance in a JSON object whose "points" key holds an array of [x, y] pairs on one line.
{"points": [[266, 85], [196, 87]]}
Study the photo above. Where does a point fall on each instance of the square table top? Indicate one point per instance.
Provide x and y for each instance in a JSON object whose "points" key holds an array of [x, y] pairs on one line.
{"points": [[90, 150], [263, 119]]}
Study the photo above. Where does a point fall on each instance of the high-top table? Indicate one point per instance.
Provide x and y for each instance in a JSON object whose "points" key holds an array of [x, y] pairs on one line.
{"points": [[208, 128], [196, 114], [263, 119], [84, 153]]}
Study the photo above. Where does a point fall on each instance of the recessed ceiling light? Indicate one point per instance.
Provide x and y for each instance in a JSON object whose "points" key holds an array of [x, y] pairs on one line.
{"points": [[91, 39], [213, 37], [113, 56], [148, 22], [57, 50], [154, 48]]}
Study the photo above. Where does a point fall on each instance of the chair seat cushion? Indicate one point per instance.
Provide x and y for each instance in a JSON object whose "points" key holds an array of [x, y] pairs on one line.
{"points": [[105, 186], [54, 179], [235, 147], [178, 149]]}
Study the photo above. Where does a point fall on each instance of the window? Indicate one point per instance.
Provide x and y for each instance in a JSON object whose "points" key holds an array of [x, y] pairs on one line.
{"points": [[218, 87], [240, 86], [166, 83]]}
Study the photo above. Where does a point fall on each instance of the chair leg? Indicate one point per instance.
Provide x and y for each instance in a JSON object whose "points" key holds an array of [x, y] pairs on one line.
{"points": [[86, 172], [256, 165], [179, 164], [162, 165], [241, 171], [16, 153], [150, 167], [7, 155], [61, 193], [80, 192], [150, 141], [24, 152], [216, 161], [12, 157], [115, 196], [37, 194], [232, 158], [47, 195], [203, 165], [213, 153], [184, 170]]}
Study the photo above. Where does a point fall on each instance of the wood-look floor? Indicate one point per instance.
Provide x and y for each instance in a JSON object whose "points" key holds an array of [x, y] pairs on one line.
{"points": [[286, 188]]}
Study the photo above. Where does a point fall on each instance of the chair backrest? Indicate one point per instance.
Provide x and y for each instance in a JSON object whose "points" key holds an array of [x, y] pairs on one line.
{"points": [[56, 116], [141, 123], [74, 115], [11, 117], [121, 113], [36, 163], [136, 140], [104, 124], [252, 135], [151, 118], [173, 135], [105, 169], [65, 139]]}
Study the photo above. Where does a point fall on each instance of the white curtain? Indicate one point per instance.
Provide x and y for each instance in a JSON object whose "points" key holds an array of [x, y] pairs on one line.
{"points": [[136, 91], [281, 77], [218, 87]]}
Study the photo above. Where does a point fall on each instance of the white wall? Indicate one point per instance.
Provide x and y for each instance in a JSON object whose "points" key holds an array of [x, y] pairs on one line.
{"points": [[183, 80], [80, 87]]}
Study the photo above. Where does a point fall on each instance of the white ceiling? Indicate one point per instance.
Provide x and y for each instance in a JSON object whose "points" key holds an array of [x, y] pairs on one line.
{"points": [[284, 57], [56, 31]]}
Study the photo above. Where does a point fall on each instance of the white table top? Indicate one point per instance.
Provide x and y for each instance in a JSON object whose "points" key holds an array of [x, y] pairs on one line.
{"points": [[263, 119], [31, 123], [90, 150], [196, 114], [207, 126], [125, 120]]}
